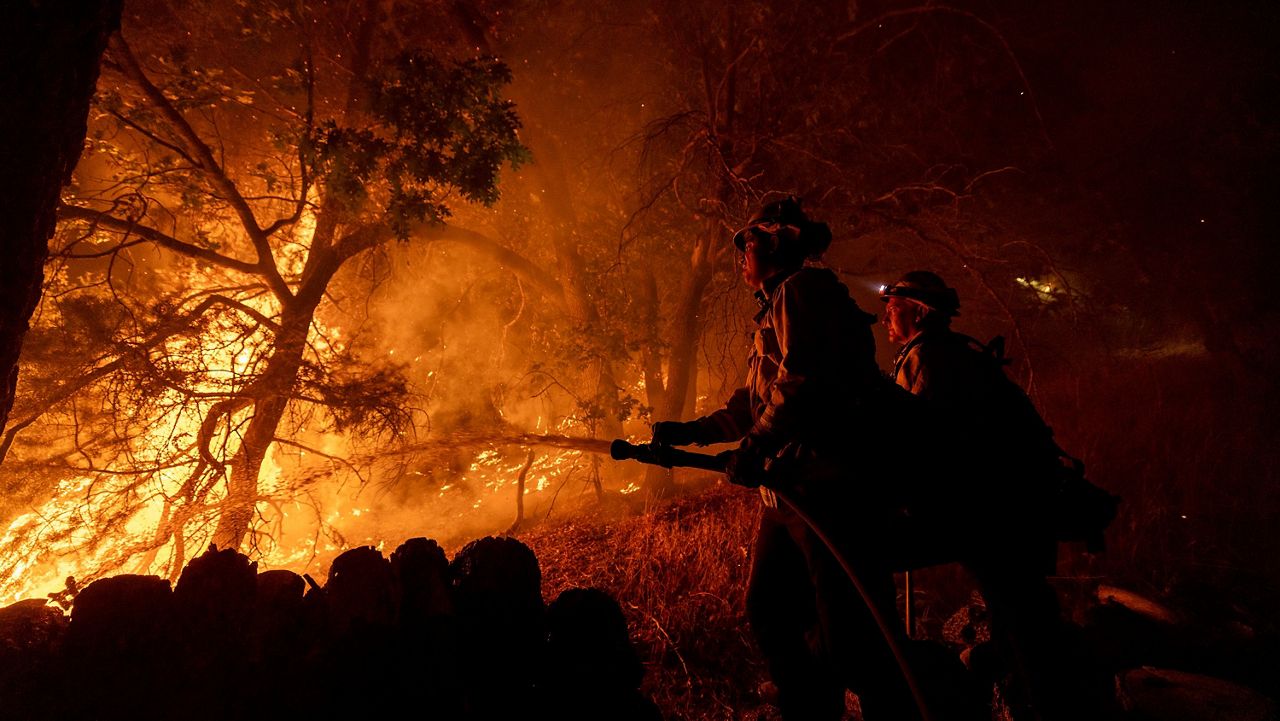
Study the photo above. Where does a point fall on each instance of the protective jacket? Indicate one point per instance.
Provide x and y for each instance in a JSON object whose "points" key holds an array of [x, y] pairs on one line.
{"points": [[968, 388], [1004, 533], [811, 380], [993, 428], [812, 361]]}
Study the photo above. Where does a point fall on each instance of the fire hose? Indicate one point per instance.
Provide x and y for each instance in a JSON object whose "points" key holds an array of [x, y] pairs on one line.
{"points": [[668, 457]]}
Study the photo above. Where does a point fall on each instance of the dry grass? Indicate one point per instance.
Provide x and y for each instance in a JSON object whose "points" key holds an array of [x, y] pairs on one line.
{"points": [[680, 574]]}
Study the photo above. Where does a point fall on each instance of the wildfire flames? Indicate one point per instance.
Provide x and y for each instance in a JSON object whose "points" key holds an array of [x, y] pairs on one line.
{"points": [[302, 526], [318, 496]]}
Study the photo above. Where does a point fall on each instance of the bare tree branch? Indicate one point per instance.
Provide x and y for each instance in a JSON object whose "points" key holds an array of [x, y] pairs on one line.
{"points": [[168, 330], [993, 30], [128, 227], [207, 163]]}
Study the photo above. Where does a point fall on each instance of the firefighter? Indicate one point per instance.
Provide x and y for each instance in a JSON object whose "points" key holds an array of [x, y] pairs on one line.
{"points": [[1008, 547], [811, 374]]}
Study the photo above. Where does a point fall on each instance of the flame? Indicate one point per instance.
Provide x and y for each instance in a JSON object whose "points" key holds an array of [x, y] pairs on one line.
{"points": [[302, 526], [309, 508], [1045, 291]]}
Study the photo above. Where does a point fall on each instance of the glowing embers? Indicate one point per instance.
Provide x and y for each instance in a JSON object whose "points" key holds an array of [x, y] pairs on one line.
{"points": [[1047, 291], [496, 471]]}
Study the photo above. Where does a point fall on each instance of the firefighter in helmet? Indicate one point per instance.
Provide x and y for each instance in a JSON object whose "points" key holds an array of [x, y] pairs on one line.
{"points": [[1002, 527], [810, 375]]}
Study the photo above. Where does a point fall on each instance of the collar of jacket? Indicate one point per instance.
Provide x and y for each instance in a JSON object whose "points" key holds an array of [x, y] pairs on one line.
{"points": [[764, 297], [910, 345]]}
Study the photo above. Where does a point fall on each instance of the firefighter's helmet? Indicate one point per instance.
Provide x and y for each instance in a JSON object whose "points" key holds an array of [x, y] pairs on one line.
{"points": [[785, 232], [927, 288]]}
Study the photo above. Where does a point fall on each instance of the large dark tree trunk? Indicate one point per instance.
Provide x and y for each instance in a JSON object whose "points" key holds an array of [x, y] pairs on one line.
{"points": [[49, 56]]}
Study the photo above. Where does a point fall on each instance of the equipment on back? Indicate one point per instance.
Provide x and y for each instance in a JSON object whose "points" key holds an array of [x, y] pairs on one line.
{"points": [[1079, 510]]}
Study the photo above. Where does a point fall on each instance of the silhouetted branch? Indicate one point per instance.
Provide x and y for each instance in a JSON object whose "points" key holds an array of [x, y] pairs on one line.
{"points": [[203, 157]]}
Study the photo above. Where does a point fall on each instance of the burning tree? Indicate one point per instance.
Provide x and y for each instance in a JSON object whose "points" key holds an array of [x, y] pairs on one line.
{"points": [[217, 203]]}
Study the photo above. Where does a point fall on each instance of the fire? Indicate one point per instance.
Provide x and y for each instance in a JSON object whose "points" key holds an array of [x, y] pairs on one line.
{"points": [[303, 523], [98, 523], [1046, 291], [318, 492]]}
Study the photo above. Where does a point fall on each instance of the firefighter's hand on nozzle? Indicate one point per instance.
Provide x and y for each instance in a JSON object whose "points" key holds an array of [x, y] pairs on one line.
{"points": [[745, 467], [676, 433]]}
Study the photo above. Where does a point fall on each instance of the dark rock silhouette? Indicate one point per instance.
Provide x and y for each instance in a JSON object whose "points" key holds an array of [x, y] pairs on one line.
{"points": [[426, 668], [593, 671], [422, 572], [359, 651], [361, 592], [119, 652], [282, 627], [466, 640], [498, 592], [31, 634], [284, 633], [213, 606]]}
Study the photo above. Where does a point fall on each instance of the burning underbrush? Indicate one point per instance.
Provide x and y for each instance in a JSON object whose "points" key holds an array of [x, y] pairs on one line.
{"points": [[312, 507]]}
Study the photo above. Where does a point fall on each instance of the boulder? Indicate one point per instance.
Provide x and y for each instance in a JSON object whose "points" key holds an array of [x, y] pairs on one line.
{"points": [[1155, 694]]}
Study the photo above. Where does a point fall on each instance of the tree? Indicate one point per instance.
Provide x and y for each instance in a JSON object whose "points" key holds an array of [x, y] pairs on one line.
{"points": [[49, 65], [248, 186]]}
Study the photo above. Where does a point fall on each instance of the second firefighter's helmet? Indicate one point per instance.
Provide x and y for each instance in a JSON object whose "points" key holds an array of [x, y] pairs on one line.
{"points": [[926, 288]]}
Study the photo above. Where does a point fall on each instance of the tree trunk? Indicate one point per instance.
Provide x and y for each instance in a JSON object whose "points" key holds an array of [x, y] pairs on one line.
{"points": [[268, 408], [271, 398], [275, 388], [686, 324], [49, 60], [686, 327]]}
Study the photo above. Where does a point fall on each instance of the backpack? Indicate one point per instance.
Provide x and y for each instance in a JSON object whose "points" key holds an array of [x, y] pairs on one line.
{"points": [[1079, 510]]}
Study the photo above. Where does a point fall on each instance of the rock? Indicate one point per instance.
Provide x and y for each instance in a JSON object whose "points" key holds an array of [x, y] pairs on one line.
{"points": [[119, 652], [588, 641], [30, 626], [359, 653], [282, 628], [420, 567], [497, 569], [1138, 604], [122, 615], [1167, 695], [213, 603], [278, 588], [30, 635], [361, 591], [426, 674], [498, 601]]}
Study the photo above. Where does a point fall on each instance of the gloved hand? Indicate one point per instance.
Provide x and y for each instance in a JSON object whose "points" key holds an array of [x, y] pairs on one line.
{"points": [[677, 433], [745, 467]]}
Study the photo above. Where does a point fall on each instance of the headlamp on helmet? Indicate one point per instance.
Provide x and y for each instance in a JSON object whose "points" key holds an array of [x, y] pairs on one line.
{"points": [[925, 288]]}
